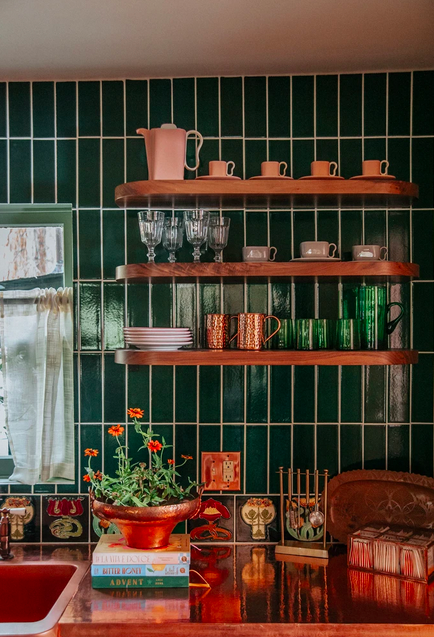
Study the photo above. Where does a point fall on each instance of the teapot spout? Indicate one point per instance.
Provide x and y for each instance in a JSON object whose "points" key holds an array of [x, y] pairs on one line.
{"points": [[144, 132]]}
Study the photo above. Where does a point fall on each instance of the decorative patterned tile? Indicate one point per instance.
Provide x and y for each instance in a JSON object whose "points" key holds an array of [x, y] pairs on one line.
{"points": [[23, 528], [65, 519], [214, 522], [257, 519]]}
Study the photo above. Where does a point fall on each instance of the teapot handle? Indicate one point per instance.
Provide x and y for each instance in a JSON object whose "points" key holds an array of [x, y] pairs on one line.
{"points": [[198, 136]]}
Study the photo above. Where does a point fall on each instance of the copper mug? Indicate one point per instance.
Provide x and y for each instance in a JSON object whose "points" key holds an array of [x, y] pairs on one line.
{"points": [[217, 330], [250, 334]]}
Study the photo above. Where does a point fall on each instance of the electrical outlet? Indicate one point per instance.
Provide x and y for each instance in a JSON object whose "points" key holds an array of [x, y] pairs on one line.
{"points": [[221, 471]]}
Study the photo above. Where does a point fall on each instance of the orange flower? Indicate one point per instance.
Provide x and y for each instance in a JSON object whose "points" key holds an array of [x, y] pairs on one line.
{"points": [[135, 412], [86, 478], [116, 430], [154, 445], [98, 475], [187, 457], [91, 452], [170, 462]]}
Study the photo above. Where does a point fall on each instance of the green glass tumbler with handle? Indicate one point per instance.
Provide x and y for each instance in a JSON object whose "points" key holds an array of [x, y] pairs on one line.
{"points": [[348, 334], [373, 313]]}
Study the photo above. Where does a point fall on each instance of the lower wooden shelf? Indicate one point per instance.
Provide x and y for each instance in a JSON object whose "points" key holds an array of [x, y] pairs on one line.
{"points": [[266, 357]]}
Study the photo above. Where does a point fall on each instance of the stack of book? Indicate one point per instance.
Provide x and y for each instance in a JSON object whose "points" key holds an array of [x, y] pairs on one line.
{"points": [[116, 565]]}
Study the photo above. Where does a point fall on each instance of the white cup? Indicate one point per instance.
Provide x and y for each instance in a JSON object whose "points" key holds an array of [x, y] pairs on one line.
{"points": [[259, 253], [317, 249], [369, 253]]}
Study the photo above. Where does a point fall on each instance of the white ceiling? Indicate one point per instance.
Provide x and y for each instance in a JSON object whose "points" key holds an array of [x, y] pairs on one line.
{"points": [[62, 39]]}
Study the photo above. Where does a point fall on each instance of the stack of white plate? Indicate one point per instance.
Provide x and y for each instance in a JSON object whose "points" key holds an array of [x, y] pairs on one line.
{"points": [[158, 338]]}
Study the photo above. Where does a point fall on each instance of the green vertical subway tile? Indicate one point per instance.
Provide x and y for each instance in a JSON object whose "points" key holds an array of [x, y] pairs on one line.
{"points": [[110, 459], [160, 102], [281, 299], [351, 394], [113, 242], [256, 153], [399, 158], [399, 393], [423, 168], [3, 109], [209, 394], [326, 105], [422, 449], [304, 300], [423, 237], [113, 109], [375, 148], [66, 109], [256, 229], [137, 167], [89, 117], [66, 171], [257, 302], [328, 381], [423, 316], [90, 244], [231, 106], [328, 150], [374, 104], [162, 305], [280, 454], [136, 109], [351, 447], [162, 393], [138, 306], [304, 228], [279, 106], [351, 157], [209, 152], [90, 436], [423, 103], [256, 396], [375, 227], [375, 393], [209, 440], [43, 109], [113, 169], [400, 338], [76, 371], [328, 226], [399, 103], [233, 251], [90, 388], [351, 232], [303, 154], [90, 316], [232, 150], [3, 171], [183, 102], [43, 172], [303, 447], [233, 393], [233, 440], [302, 106], [89, 173], [114, 390], [19, 109], [280, 393], [280, 150], [350, 97], [138, 389], [398, 448], [136, 250], [19, 171], [166, 432], [233, 298], [327, 449], [186, 444], [399, 235], [209, 299], [280, 234], [186, 306], [114, 311], [256, 459], [208, 106], [255, 106], [186, 394], [374, 446], [304, 394], [75, 313]]}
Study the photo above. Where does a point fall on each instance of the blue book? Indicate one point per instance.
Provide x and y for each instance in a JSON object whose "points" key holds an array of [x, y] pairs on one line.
{"points": [[140, 570]]}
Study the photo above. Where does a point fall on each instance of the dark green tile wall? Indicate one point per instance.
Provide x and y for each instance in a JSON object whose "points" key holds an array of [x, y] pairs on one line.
{"points": [[74, 141]]}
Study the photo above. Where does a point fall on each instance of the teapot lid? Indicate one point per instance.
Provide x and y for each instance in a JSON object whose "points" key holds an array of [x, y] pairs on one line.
{"points": [[168, 126]]}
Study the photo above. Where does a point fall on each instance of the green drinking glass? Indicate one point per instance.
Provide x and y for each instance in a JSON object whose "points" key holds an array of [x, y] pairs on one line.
{"points": [[324, 328], [306, 334], [348, 334], [284, 339]]}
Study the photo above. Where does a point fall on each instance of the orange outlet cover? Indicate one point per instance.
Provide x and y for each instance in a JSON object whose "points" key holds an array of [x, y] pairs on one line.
{"points": [[221, 471]]}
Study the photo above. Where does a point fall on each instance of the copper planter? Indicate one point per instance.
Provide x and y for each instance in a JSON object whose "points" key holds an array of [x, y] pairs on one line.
{"points": [[146, 527]]}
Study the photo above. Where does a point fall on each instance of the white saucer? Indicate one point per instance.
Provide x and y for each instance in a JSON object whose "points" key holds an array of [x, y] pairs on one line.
{"points": [[218, 178], [317, 259], [324, 177], [373, 177], [264, 177], [159, 348]]}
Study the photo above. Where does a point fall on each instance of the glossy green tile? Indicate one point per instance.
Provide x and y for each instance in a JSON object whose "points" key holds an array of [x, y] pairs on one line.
{"points": [[256, 396], [375, 148], [90, 388], [136, 250], [137, 167], [43, 109], [183, 102], [89, 118], [66, 109], [351, 158], [422, 389], [423, 237], [138, 306], [66, 172], [255, 106], [257, 302], [232, 150], [399, 394], [281, 300], [423, 102], [209, 298], [328, 150], [186, 444], [113, 241], [207, 91], [280, 453], [231, 101], [399, 103], [327, 449], [43, 172], [233, 298], [160, 102], [280, 235], [2, 109], [114, 390], [186, 381], [113, 169], [351, 447], [351, 232], [351, 394], [90, 242], [256, 459], [422, 170], [423, 316], [209, 440], [136, 110], [328, 226], [399, 158], [398, 448], [162, 305], [113, 109], [186, 306], [256, 153], [138, 389], [375, 389], [304, 228], [162, 393], [91, 436], [326, 105], [374, 446], [114, 312], [303, 447], [19, 109], [3, 171], [233, 393], [304, 394], [422, 449], [19, 171], [350, 97], [279, 106], [256, 229], [302, 106], [89, 172], [233, 251], [328, 385], [303, 154], [305, 300], [280, 393], [209, 152], [90, 316], [209, 394], [375, 227], [375, 103], [280, 150]]}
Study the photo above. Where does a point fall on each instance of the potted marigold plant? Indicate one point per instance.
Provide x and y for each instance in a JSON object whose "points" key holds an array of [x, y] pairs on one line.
{"points": [[143, 499]]}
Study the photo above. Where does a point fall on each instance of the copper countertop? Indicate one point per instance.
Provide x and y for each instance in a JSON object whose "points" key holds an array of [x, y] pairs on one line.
{"points": [[250, 592]]}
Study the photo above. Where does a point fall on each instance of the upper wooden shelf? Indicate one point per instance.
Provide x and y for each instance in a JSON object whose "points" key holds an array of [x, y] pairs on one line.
{"points": [[377, 271], [266, 193]]}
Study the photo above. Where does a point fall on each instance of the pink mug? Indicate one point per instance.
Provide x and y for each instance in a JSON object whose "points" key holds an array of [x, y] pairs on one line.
{"points": [[272, 168], [221, 168], [323, 168]]}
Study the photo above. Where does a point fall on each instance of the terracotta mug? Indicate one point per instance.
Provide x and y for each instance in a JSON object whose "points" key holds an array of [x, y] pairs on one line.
{"points": [[272, 168], [323, 168], [250, 334], [217, 328], [221, 168], [373, 167]]}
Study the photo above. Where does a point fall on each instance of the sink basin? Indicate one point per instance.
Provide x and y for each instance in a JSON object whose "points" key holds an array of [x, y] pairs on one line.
{"points": [[34, 595]]}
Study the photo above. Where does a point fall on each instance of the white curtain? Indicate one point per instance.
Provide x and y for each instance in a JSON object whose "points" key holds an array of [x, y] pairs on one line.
{"points": [[36, 334]]}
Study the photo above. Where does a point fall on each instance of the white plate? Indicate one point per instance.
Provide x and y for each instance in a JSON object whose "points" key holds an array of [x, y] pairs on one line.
{"points": [[155, 330], [317, 259], [160, 348], [163, 339], [133, 341]]}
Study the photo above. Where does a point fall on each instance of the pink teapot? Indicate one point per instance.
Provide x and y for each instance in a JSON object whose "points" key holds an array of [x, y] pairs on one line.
{"points": [[166, 151]]}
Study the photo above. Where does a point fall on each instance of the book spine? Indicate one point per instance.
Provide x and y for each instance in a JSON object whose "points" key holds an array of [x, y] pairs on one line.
{"points": [[142, 570], [140, 582], [141, 558]]}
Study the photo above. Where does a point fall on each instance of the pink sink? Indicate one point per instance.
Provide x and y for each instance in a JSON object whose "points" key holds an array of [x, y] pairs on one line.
{"points": [[34, 595]]}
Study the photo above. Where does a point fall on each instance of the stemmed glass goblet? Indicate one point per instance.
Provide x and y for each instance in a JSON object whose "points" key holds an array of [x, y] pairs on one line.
{"points": [[218, 235], [196, 229], [151, 228], [173, 234]]}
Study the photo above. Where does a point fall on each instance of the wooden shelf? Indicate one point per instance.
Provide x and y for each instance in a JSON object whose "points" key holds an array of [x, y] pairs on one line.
{"points": [[264, 193], [332, 270], [266, 357]]}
